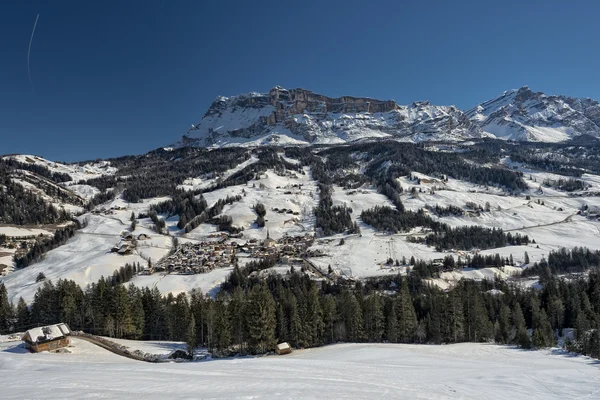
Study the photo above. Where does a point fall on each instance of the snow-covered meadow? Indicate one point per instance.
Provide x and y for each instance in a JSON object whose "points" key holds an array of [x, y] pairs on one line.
{"points": [[343, 371]]}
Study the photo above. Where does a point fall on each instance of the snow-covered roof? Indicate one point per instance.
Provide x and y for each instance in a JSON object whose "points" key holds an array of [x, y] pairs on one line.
{"points": [[283, 346], [45, 333]]}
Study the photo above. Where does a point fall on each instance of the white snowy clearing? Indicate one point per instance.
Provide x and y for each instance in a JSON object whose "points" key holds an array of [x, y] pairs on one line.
{"points": [[344, 371]]}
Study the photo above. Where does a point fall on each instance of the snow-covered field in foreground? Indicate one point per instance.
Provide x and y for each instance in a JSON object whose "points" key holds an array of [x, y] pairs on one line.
{"points": [[346, 371]]}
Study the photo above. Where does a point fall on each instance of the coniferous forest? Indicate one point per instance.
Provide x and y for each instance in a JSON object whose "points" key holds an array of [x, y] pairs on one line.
{"points": [[250, 314]]}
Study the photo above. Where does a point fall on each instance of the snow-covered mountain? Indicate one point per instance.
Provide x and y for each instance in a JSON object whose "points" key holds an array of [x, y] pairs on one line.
{"points": [[524, 115], [299, 116]]}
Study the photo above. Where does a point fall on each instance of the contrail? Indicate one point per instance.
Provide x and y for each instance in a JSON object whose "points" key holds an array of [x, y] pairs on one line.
{"points": [[29, 51]]}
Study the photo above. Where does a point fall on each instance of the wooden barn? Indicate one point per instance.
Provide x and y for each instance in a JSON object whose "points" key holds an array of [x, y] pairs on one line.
{"points": [[47, 338], [283, 348]]}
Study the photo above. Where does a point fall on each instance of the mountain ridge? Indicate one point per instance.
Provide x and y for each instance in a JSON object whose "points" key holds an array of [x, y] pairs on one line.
{"points": [[299, 116], [524, 115], [302, 117]]}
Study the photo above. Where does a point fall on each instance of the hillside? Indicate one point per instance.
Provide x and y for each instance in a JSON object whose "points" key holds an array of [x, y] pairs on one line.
{"points": [[514, 188]]}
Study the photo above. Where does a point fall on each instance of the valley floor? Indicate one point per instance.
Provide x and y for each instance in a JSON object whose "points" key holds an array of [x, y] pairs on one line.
{"points": [[344, 371]]}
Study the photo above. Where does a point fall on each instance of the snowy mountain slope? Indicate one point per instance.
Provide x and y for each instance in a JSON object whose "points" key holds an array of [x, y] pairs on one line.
{"points": [[75, 171], [524, 115], [299, 116]]}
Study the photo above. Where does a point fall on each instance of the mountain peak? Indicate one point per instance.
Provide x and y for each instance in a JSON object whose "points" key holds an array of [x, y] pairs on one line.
{"points": [[524, 115], [300, 116]]}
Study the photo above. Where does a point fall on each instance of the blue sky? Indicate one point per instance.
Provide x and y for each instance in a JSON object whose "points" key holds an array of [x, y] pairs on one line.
{"points": [[123, 77]]}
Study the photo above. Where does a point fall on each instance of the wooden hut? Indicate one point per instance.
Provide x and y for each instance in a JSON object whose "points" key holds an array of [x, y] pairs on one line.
{"points": [[283, 348], [47, 338]]}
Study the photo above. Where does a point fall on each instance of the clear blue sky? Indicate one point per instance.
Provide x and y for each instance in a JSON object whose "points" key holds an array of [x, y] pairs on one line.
{"points": [[124, 77]]}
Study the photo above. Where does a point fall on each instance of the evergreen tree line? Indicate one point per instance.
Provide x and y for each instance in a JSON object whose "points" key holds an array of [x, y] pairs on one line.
{"points": [[100, 198], [387, 219], [19, 206], [469, 237], [333, 219], [567, 185], [57, 177], [390, 160], [159, 172], [44, 244], [443, 237], [51, 189], [186, 204], [568, 158], [446, 211], [251, 314], [564, 261]]}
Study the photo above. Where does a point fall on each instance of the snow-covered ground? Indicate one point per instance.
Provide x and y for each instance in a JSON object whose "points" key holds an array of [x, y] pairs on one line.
{"points": [[174, 283], [296, 192], [14, 231], [75, 171], [157, 347], [86, 257], [344, 371]]}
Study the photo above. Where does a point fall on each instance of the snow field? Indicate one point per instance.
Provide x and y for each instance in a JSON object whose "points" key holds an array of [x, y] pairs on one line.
{"points": [[343, 371]]}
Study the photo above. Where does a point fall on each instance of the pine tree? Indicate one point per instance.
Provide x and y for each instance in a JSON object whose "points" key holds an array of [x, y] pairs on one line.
{"points": [[373, 318], [477, 325], [120, 312], [191, 339], [260, 319], [222, 329], [352, 317], [5, 310], [454, 317], [237, 311], [329, 318], [313, 318], [137, 312], [296, 327], [542, 330], [521, 337], [392, 323], [23, 315], [407, 317], [504, 326]]}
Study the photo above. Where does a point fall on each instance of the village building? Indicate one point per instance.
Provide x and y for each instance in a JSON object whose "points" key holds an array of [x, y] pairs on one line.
{"points": [[47, 338]]}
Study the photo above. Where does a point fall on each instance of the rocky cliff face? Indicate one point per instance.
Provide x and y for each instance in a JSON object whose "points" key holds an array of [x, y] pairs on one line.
{"points": [[299, 116], [524, 115]]}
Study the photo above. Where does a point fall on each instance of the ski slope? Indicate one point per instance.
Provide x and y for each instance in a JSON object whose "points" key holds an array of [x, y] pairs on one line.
{"points": [[343, 371]]}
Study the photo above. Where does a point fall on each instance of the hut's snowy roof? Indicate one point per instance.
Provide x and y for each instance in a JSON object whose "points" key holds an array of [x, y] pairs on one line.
{"points": [[45, 333], [283, 346]]}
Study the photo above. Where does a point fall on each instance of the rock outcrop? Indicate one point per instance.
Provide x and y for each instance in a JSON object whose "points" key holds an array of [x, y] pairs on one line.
{"points": [[299, 116]]}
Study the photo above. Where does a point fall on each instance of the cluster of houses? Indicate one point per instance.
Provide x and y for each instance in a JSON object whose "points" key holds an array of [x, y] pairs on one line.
{"points": [[108, 211], [198, 258], [285, 247], [128, 243], [203, 257]]}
